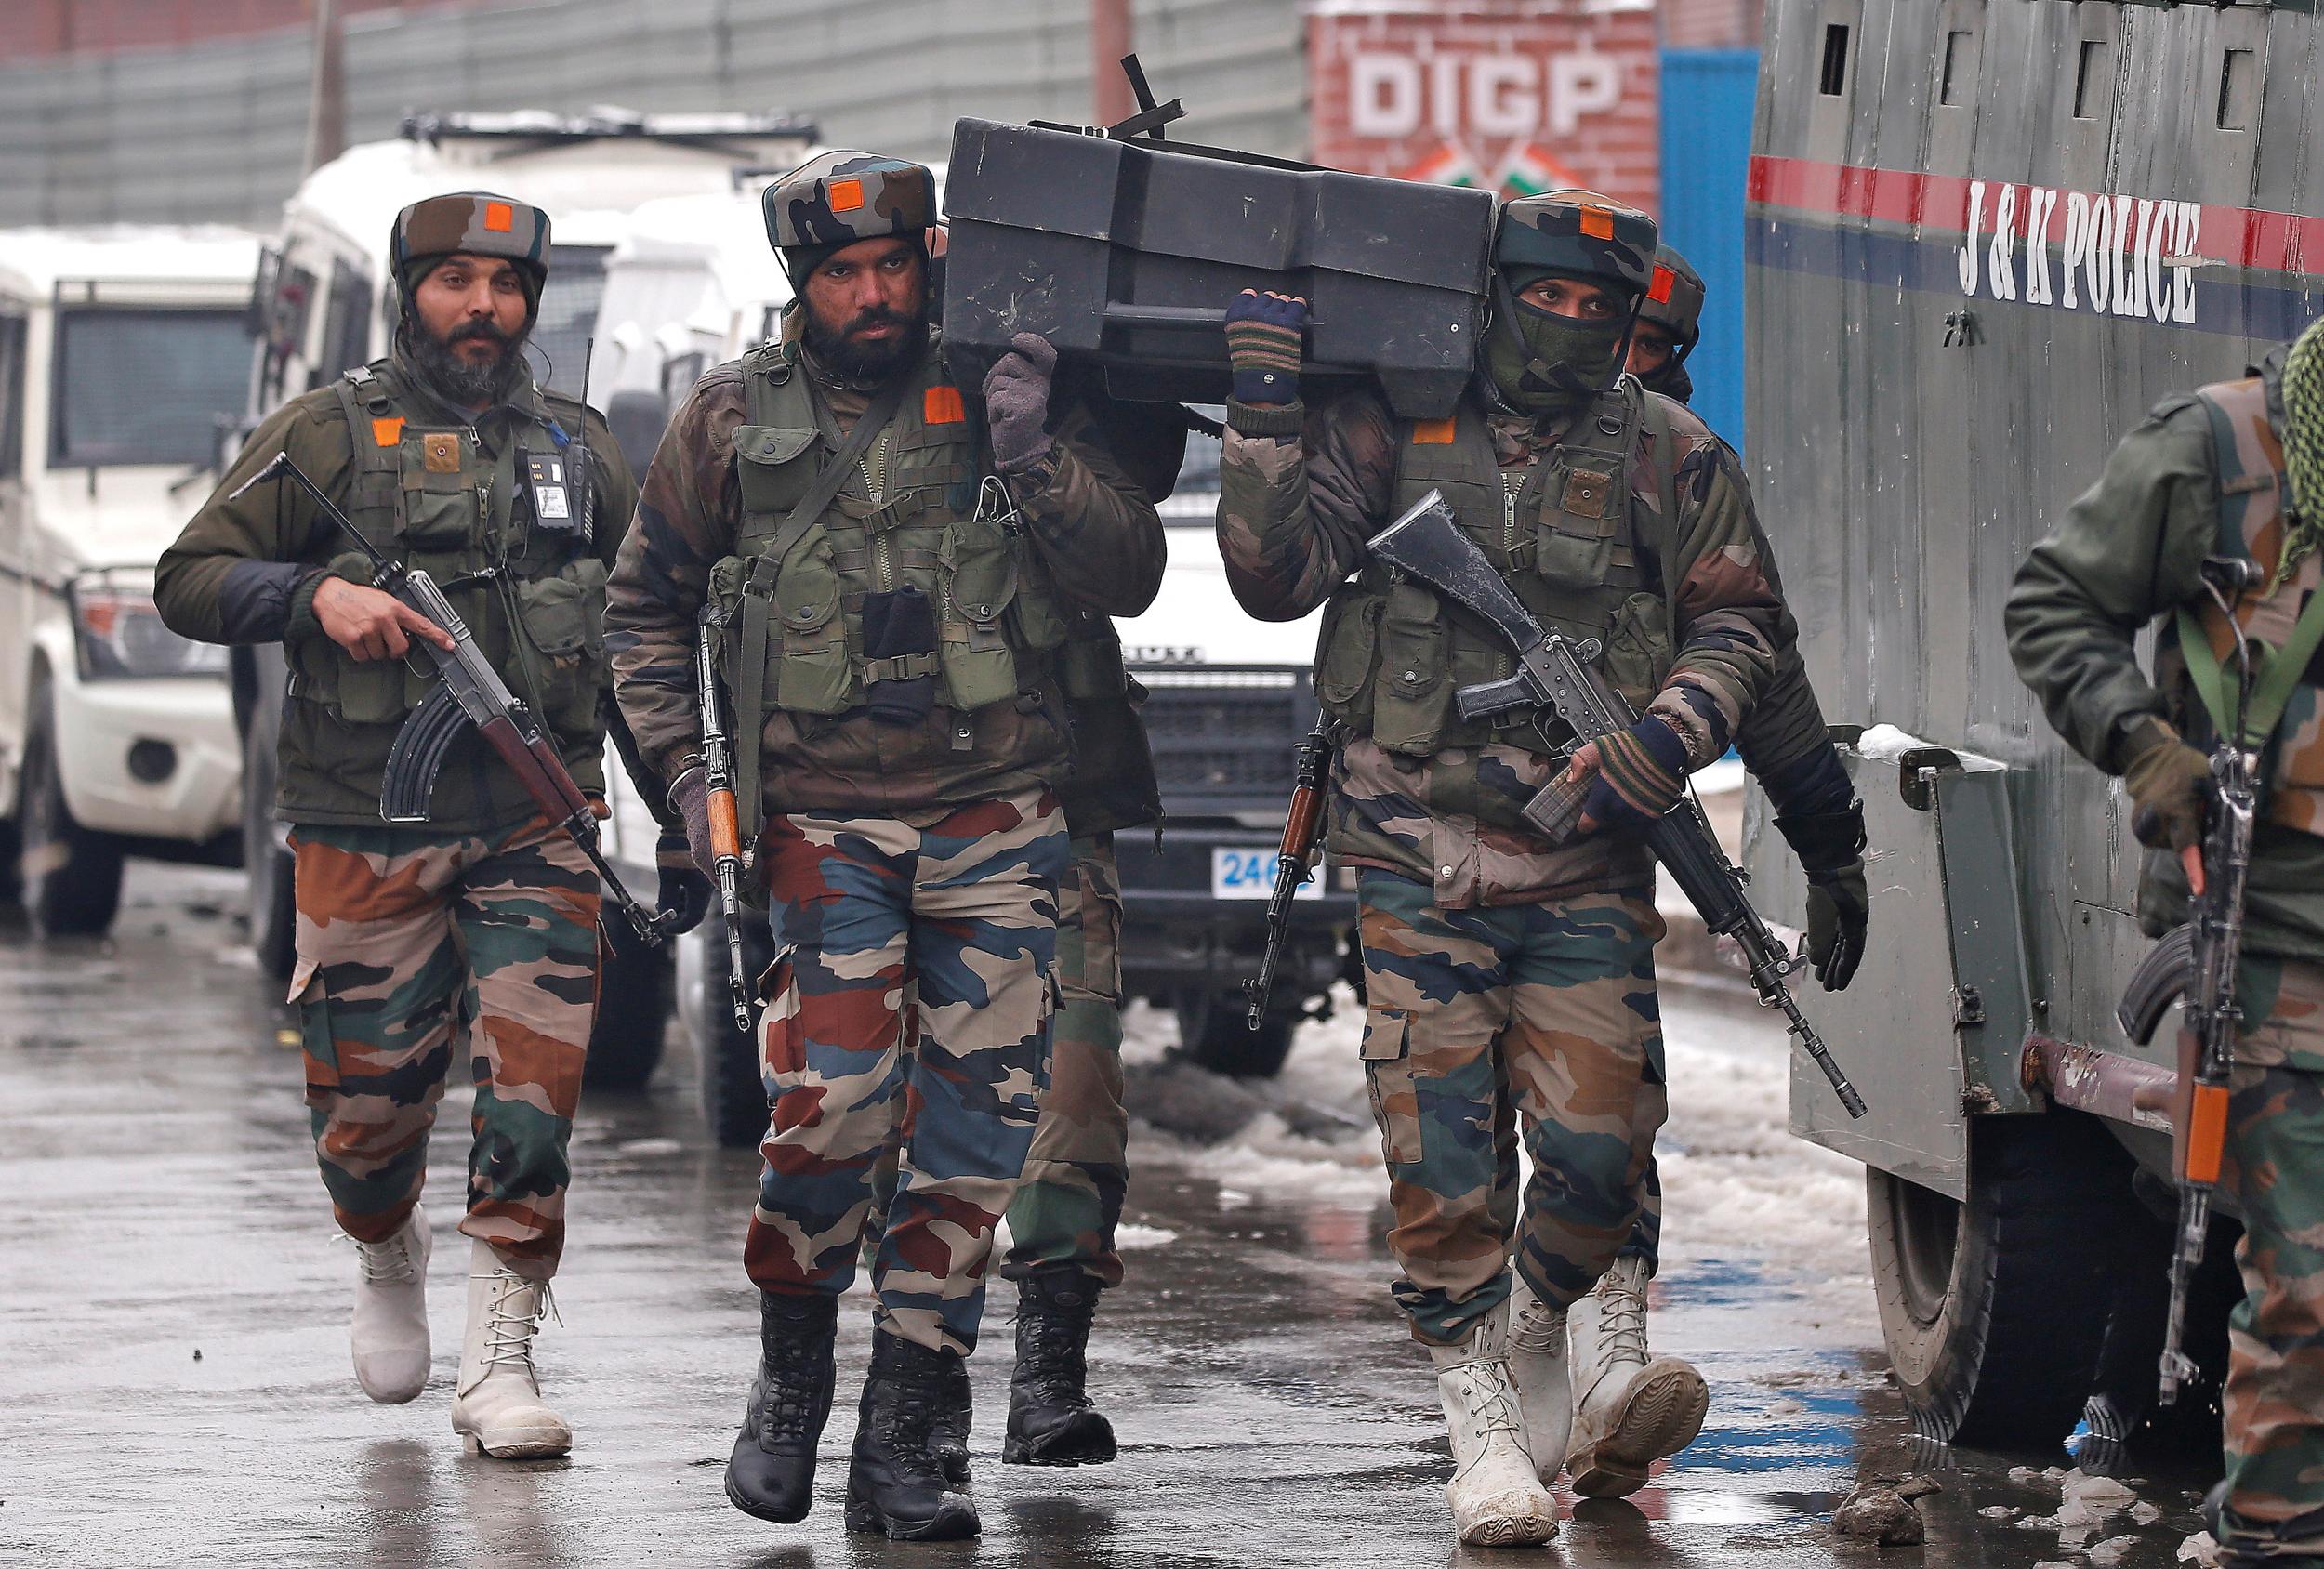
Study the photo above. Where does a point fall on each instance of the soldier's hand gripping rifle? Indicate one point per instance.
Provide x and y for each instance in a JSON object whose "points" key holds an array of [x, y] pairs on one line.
{"points": [[1302, 826], [718, 773], [2195, 965], [1553, 672], [471, 691]]}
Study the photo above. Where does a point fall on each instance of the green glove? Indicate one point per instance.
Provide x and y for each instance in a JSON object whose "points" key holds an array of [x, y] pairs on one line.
{"points": [[2169, 782]]}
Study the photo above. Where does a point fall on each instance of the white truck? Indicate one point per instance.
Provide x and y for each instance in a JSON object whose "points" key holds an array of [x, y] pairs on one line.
{"points": [[696, 283], [121, 354], [321, 306]]}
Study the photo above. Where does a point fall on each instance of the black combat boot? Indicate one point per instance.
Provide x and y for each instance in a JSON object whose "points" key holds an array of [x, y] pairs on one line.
{"points": [[771, 1472], [895, 1483], [1051, 1420], [949, 1432]]}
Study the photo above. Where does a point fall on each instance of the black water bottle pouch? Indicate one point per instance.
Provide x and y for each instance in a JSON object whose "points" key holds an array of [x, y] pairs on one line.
{"points": [[899, 655]]}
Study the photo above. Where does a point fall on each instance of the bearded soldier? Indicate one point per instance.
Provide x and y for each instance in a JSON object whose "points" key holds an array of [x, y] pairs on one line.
{"points": [[2235, 469], [1510, 981], [896, 572], [473, 936], [1621, 1388]]}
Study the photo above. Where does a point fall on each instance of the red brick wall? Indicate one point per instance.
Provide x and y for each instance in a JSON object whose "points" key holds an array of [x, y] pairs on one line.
{"points": [[1711, 24], [1554, 89]]}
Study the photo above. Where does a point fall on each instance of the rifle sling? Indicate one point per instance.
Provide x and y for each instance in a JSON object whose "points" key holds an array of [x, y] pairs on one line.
{"points": [[2281, 670], [758, 599]]}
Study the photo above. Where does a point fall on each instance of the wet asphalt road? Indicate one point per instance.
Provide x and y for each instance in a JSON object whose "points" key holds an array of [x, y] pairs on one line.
{"points": [[175, 1388]]}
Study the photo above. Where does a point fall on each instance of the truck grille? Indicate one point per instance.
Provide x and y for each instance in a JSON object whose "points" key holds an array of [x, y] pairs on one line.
{"points": [[1222, 733]]}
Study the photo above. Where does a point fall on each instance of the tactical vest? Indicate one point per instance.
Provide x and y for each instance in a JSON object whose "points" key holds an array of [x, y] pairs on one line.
{"points": [[531, 590], [1566, 534], [922, 513], [2252, 490]]}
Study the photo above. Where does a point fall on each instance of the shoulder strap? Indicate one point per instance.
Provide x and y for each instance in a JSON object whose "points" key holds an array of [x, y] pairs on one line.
{"points": [[1656, 423], [758, 602], [2279, 673]]}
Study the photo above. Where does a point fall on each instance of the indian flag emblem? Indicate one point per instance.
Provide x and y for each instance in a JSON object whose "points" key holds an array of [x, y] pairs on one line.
{"points": [[1529, 170], [1449, 164]]}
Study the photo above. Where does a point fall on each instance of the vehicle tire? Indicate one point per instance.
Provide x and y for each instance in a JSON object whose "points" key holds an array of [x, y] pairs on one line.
{"points": [[266, 862], [636, 986], [1994, 1311], [71, 874], [1213, 1033], [733, 1095]]}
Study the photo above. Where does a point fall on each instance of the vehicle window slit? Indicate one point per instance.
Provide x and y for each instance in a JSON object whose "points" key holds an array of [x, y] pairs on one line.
{"points": [[2091, 72], [1958, 61], [2235, 90], [1833, 79]]}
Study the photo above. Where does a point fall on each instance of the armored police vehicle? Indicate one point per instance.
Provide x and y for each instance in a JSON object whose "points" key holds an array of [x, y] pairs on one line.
{"points": [[321, 306], [1983, 239], [120, 356], [694, 283]]}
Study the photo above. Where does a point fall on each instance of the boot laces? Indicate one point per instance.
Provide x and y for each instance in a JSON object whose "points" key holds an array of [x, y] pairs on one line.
{"points": [[1052, 1346], [1538, 1330], [1487, 1394], [508, 1327], [1622, 1319], [392, 1263]]}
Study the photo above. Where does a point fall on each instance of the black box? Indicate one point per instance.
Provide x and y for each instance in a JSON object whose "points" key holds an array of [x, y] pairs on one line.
{"points": [[1126, 253]]}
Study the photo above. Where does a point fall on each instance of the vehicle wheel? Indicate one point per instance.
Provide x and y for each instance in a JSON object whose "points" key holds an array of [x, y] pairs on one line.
{"points": [[635, 989], [71, 874], [1994, 1309], [266, 864], [733, 1094], [1213, 1033]]}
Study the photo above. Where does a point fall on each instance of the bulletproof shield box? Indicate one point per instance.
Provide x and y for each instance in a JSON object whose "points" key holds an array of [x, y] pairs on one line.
{"points": [[1124, 254]]}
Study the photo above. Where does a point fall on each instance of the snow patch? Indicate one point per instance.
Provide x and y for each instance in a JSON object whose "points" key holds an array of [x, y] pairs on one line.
{"points": [[1127, 1235], [1886, 744], [2199, 1548]]}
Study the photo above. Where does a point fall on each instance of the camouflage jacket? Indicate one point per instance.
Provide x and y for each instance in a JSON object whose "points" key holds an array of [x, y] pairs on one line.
{"points": [[1098, 535], [1293, 516], [2128, 550], [245, 570]]}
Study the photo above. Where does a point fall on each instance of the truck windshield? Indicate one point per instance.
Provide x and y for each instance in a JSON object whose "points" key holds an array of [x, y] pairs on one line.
{"points": [[568, 318], [140, 386]]}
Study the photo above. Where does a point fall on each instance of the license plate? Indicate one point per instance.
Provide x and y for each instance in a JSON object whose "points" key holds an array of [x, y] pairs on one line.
{"points": [[1250, 874]]}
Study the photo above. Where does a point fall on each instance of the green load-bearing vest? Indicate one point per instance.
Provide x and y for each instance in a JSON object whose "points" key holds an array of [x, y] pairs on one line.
{"points": [[533, 595], [2289, 723], [1565, 534]]}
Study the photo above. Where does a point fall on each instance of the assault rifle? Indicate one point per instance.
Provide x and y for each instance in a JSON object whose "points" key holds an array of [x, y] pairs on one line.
{"points": [[2195, 965], [471, 691], [1553, 672], [1303, 825], [726, 839]]}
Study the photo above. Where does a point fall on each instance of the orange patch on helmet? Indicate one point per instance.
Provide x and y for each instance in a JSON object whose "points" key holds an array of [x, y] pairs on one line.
{"points": [[1659, 290], [1597, 223], [499, 218], [941, 405], [845, 195]]}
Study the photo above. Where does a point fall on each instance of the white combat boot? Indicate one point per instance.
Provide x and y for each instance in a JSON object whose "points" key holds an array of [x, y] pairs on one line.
{"points": [[498, 1407], [388, 1331], [1630, 1409], [1536, 1365], [1497, 1499]]}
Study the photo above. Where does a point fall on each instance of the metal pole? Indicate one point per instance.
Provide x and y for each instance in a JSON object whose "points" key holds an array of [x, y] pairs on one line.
{"points": [[327, 111], [1110, 39]]}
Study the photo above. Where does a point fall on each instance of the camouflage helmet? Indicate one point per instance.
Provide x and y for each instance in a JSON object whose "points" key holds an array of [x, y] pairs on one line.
{"points": [[1578, 232], [834, 200], [1674, 299], [470, 223]]}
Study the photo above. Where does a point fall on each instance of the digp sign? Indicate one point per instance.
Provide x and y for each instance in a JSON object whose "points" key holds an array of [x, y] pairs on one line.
{"points": [[1394, 95]]}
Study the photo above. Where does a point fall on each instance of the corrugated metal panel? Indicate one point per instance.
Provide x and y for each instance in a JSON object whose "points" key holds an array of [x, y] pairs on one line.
{"points": [[217, 131], [1707, 99]]}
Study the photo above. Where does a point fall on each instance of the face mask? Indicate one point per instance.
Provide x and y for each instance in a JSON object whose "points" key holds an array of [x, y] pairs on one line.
{"points": [[1546, 363], [1671, 380]]}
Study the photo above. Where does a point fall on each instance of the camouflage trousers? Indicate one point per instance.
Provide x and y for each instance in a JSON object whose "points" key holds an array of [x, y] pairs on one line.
{"points": [[2275, 1394], [959, 908], [1484, 1026], [416, 947]]}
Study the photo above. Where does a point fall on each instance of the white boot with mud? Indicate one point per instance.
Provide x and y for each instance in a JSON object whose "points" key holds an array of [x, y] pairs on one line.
{"points": [[1630, 1409], [498, 1407], [1539, 1368], [1497, 1499], [388, 1331]]}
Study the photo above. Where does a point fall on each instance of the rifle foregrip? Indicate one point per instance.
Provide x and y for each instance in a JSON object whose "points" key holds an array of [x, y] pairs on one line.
{"points": [[726, 837], [1299, 825]]}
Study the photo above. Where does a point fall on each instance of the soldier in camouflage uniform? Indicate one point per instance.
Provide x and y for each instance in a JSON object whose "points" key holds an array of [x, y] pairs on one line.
{"points": [[1511, 980], [472, 936], [897, 574], [2234, 469], [1619, 1386]]}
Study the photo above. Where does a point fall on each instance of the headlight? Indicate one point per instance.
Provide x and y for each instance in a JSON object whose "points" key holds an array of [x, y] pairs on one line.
{"points": [[120, 635]]}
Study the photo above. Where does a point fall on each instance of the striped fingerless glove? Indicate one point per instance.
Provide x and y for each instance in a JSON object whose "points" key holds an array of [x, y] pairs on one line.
{"points": [[1262, 347], [1641, 771]]}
